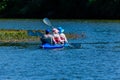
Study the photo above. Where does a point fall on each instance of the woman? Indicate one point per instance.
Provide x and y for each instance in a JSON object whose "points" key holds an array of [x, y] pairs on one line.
{"points": [[62, 35], [56, 36]]}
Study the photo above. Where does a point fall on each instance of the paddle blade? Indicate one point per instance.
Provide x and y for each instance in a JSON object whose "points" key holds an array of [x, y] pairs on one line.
{"points": [[36, 33], [30, 33], [47, 21], [39, 34]]}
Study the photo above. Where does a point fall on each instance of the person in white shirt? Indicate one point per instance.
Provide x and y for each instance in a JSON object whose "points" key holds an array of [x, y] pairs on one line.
{"points": [[56, 36], [62, 35]]}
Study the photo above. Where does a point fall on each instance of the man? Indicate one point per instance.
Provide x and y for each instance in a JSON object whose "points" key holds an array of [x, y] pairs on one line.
{"points": [[47, 38]]}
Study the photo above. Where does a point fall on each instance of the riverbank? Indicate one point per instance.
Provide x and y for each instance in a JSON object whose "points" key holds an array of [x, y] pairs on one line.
{"points": [[15, 36], [22, 36]]}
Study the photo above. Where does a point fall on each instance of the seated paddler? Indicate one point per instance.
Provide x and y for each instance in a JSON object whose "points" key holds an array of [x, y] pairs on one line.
{"points": [[47, 38], [62, 35], [56, 36]]}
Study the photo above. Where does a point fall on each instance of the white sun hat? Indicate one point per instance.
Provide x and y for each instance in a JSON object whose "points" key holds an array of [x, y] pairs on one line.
{"points": [[55, 30]]}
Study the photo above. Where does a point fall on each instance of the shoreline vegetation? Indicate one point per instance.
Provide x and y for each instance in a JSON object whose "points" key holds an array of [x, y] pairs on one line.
{"points": [[58, 9], [72, 19], [15, 36]]}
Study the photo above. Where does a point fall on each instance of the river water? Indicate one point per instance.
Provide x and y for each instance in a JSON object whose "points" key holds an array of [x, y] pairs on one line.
{"points": [[94, 57]]}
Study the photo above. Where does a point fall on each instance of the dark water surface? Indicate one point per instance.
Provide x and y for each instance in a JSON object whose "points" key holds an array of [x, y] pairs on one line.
{"points": [[98, 58]]}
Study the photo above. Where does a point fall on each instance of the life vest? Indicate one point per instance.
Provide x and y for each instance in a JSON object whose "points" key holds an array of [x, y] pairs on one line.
{"points": [[56, 39], [62, 38]]}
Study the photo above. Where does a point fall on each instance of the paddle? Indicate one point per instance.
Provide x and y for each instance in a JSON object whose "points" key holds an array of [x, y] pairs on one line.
{"points": [[30, 33], [47, 22], [36, 33]]}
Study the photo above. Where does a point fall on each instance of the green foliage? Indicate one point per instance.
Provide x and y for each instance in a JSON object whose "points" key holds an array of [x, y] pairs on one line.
{"points": [[15, 35], [22, 36], [60, 8], [91, 1], [3, 4]]}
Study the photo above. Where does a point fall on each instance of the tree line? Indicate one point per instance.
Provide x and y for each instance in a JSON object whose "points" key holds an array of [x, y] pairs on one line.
{"points": [[69, 9]]}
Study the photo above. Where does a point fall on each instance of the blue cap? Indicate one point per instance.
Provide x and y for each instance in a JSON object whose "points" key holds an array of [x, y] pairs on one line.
{"points": [[61, 30], [47, 31]]}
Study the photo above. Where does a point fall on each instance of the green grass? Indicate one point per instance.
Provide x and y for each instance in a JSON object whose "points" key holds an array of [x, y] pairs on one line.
{"points": [[22, 36], [16, 36]]}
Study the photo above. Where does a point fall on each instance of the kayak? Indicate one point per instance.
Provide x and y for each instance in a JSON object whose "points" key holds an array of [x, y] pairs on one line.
{"points": [[55, 46]]}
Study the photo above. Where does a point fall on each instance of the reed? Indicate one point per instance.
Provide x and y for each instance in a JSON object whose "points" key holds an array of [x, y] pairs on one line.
{"points": [[22, 36], [16, 36]]}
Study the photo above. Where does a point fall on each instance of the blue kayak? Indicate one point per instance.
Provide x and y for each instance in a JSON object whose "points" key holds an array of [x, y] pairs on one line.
{"points": [[55, 46]]}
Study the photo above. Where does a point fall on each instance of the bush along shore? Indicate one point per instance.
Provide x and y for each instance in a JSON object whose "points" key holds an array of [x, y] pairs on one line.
{"points": [[16, 36], [22, 36]]}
